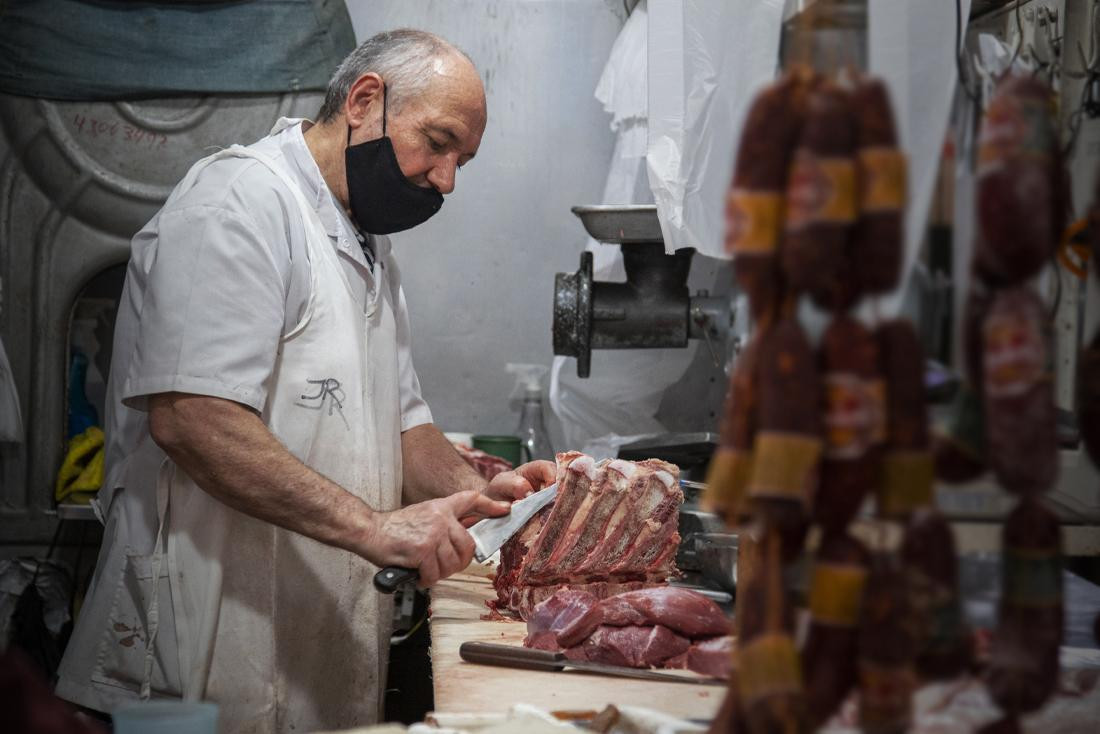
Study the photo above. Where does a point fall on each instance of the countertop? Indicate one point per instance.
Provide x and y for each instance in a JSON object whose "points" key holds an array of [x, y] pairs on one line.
{"points": [[460, 687]]}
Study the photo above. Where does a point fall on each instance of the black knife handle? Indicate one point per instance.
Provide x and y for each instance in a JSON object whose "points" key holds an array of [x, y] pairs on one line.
{"points": [[389, 578], [512, 656]]}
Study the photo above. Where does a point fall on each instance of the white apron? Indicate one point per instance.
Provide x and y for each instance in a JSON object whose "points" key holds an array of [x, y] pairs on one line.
{"points": [[284, 633]]}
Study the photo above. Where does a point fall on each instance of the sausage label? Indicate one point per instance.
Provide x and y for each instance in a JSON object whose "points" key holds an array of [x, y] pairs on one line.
{"points": [[727, 478], [752, 221], [768, 666], [1014, 353], [784, 465], [836, 591], [1013, 126], [820, 190], [882, 179], [849, 416], [907, 481], [1031, 578]]}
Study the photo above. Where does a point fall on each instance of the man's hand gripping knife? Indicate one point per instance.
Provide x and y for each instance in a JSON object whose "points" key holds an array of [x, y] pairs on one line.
{"points": [[228, 452]]}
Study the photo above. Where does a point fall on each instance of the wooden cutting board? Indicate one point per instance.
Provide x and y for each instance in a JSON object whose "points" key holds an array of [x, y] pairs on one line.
{"points": [[461, 687]]}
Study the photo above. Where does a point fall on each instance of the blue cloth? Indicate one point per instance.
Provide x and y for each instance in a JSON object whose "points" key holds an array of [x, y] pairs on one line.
{"points": [[107, 49]]}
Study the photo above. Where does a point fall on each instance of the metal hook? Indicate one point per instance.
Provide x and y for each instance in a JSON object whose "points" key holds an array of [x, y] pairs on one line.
{"points": [[1018, 42], [1090, 61]]}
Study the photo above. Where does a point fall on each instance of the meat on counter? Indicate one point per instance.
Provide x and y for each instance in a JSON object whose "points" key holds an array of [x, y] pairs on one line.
{"points": [[667, 627]]}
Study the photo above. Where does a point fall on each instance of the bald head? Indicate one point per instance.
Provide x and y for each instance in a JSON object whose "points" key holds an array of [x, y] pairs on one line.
{"points": [[411, 63]]}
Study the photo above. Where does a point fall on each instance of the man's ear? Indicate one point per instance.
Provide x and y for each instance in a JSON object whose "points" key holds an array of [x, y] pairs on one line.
{"points": [[364, 92]]}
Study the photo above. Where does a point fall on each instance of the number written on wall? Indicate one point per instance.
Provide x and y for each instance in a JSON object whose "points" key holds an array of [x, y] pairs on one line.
{"points": [[128, 133]]}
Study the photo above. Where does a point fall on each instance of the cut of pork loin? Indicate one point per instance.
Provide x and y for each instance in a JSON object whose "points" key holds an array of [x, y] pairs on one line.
{"points": [[612, 528]]}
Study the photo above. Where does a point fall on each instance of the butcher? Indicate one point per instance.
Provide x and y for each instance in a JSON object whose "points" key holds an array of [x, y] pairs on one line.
{"points": [[268, 445]]}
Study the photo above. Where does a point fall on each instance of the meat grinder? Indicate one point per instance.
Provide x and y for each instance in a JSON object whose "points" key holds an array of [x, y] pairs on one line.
{"points": [[651, 309]]}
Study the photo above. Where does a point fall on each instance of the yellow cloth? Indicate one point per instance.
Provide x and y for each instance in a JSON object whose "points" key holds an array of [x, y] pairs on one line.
{"points": [[81, 473]]}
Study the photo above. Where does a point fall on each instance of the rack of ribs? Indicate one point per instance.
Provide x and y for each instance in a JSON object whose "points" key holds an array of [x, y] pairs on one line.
{"points": [[611, 529]]}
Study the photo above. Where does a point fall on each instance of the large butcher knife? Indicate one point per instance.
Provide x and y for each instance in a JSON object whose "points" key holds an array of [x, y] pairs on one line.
{"points": [[514, 656], [489, 535]]}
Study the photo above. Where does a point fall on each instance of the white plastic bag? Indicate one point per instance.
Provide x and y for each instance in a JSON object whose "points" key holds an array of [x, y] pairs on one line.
{"points": [[707, 59], [911, 46]]}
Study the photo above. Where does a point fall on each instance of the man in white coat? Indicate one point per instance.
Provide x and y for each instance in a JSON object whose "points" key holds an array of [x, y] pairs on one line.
{"points": [[268, 447]]}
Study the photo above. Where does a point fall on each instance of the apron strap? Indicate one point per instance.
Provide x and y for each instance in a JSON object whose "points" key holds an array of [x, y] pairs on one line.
{"points": [[153, 613]]}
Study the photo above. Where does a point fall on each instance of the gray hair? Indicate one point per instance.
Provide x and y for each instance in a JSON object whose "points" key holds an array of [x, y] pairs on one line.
{"points": [[403, 58]]}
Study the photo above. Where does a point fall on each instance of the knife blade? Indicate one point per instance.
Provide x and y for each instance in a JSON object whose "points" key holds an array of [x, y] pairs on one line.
{"points": [[493, 532], [488, 534], [513, 656]]}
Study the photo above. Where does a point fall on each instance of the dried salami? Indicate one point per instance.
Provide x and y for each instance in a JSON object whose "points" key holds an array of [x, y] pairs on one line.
{"points": [[787, 446], [837, 580], [907, 475], [928, 558], [877, 242], [731, 466], [887, 677], [1020, 417], [821, 195], [769, 675], [853, 412], [1023, 656], [1020, 182], [755, 203]]}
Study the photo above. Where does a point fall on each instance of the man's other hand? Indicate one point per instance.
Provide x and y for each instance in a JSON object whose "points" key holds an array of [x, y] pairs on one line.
{"points": [[428, 536], [514, 485]]}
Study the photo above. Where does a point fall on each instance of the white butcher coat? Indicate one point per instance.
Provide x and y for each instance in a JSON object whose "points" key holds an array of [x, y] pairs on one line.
{"points": [[283, 632]]}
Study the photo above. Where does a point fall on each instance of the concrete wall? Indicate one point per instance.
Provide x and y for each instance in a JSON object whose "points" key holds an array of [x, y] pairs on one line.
{"points": [[479, 276]]}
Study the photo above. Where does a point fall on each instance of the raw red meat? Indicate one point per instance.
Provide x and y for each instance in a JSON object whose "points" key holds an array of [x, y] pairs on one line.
{"points": [[556, 613], [682, 610], [632, 647], [612, 528], [666, 626], [487, 465], [712, 657]]}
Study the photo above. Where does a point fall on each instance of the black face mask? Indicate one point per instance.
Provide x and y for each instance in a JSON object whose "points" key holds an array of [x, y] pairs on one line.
{"points": [[382, 199]]}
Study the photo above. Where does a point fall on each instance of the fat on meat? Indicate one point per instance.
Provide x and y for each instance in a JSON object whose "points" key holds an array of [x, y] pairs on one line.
{"points": [[612, 528]]}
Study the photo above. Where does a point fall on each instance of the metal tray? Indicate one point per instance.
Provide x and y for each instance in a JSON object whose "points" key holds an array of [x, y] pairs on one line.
{"points": [[621, 224]]}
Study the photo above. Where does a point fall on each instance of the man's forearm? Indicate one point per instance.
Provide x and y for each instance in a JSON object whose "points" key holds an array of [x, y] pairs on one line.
{"points": [[431, 466], [235, 458]]}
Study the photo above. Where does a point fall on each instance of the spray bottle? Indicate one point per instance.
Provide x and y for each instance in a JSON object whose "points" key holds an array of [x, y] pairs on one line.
{"points": [[534, 440]]}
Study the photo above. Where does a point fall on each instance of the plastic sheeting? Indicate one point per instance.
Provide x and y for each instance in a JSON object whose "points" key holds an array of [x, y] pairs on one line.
{"points": [[911, 46], [617, 404], [707, 58]]}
